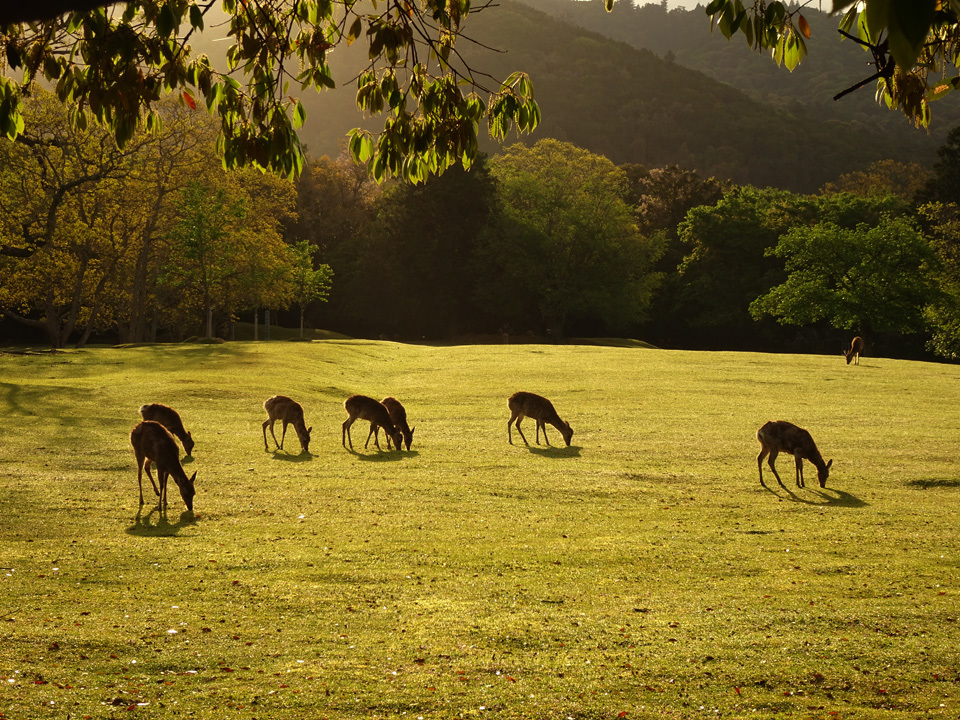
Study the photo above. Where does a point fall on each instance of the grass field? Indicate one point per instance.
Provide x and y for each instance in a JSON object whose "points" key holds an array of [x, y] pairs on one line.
{"points": [[641, 573]]}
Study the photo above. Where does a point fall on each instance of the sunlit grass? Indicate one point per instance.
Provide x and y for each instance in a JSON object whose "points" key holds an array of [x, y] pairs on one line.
{"points": [[643, 570]]}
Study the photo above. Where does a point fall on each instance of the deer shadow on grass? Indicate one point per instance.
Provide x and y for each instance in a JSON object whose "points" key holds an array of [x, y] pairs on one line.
{"points": [[555, 452], [161, 526], [382, 455], [302, 456], [824, 497]]}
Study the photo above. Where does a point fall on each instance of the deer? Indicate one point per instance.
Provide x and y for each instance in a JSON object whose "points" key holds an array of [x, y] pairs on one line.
{"points": [[526, 404], [398, 415], [782, 436], [856, 347], [153, 443], [290, 412], [170, 419], [361, 407]]}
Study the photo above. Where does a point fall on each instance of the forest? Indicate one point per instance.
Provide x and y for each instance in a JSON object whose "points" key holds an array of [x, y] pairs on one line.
{"points": [[653, 202], [547, 240]]}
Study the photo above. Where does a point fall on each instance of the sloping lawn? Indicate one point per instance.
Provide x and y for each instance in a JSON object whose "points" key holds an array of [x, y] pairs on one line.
{"points": [[642, 572]]}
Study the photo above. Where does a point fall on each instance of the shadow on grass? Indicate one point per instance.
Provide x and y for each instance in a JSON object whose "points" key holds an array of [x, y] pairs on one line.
{"points": [[934, 483], [161, 527], [278, 454], [380, 455], [556, 452], [826, 497]]}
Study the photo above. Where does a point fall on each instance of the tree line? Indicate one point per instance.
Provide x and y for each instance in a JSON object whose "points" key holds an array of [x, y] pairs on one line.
{"points": [[157, 242]]}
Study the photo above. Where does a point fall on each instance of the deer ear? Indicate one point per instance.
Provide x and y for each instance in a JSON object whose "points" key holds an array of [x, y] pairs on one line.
{"points": [[309, 429], [193, 478], [829, 464]]}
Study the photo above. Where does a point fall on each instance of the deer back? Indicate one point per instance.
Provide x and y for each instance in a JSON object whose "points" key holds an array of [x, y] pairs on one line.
{"points": [[361, 407], [786, 437], [170, 419], [533, 406], [280, 407]]}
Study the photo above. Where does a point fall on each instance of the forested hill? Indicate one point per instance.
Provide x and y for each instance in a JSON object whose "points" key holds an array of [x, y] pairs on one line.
{"points": [[633, 106], [833, 65]]}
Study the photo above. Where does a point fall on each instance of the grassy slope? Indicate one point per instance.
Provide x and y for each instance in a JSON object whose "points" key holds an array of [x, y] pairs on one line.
{"points": [[643, 570]]}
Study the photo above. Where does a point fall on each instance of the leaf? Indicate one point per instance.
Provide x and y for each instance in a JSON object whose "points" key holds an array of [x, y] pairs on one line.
{"points": [[804, 27], [188, 99], [299, 115]]}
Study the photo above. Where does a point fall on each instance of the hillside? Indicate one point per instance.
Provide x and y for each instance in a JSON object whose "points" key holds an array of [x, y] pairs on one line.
{"points": [[833, 65], [636, 107]]}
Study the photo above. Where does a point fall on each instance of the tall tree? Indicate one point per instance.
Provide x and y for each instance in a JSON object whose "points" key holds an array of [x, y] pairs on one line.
{"points": [[869, 279], [202, 258], [567, 245], [941, 224], [59, 190], [408, 273], [309, 283]]}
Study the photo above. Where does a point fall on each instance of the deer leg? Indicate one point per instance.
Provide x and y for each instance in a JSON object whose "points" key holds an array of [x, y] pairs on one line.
{"points": [[375, 432], [760, 457], [265, 423], [346, 432], [519, 418], [146, 466], [140, 475], [770, 461], [283, 435], [799, 461], [272, 434], [162, 477], [542, 424], [509, 423], [375, 429]]}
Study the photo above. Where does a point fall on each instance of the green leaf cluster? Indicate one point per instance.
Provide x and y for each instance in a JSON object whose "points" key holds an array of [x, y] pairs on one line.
{"points": [[115, 66]]}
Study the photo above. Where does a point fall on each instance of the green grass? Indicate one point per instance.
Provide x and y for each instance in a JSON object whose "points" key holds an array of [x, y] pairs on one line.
{"points": [[643, 570]]}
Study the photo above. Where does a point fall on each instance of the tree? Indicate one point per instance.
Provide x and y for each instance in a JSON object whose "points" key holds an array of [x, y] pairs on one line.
{"points": [[309, 283], [114, 64], [408, 271], [912, 43], [881, 178], [944, 185], [869, 279], [725, 266], [941, 224], [567, 247], [60, 239]]}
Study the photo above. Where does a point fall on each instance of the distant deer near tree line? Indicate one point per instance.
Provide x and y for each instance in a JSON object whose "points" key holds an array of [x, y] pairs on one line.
{"points": [[782, 436], [856, 348], [153, 443], [527, 404]]}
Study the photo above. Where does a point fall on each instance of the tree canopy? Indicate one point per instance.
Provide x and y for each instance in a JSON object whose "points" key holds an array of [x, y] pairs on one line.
{"points": [[115, 63]]}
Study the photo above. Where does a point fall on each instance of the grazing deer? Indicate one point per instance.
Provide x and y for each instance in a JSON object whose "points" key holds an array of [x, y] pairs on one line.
{"points": [[398, 415], [361, 407], [856, 347], [290, 412], [781, 436], [170, 419], [153, 443], [525, 404]]}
